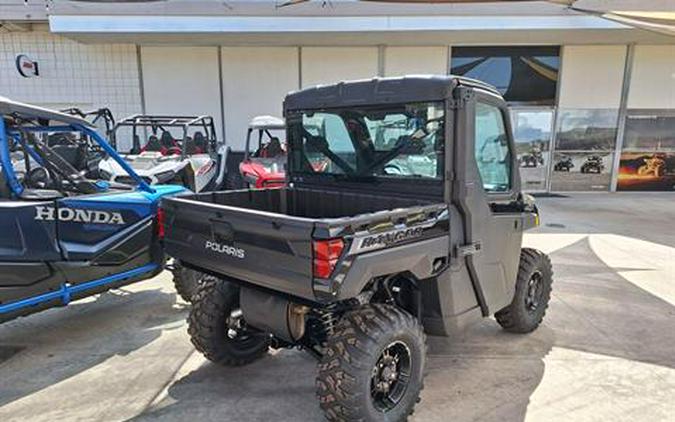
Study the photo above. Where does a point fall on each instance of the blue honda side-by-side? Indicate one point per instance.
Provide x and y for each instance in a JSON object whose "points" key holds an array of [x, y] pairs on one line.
{"points": [[64, 232]]}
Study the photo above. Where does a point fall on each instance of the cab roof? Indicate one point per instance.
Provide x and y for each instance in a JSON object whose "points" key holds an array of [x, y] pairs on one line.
{"points": [[381, 90], [32, 112]]}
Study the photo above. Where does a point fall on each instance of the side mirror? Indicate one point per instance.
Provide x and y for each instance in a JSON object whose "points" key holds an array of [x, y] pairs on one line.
{"points": [[527, 202]]}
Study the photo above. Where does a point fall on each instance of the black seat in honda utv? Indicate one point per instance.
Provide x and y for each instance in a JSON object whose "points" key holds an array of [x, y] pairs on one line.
{"points": [[73, 154]]}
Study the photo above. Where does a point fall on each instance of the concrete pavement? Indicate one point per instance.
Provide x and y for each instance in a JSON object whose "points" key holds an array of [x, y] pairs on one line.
{"points": [[605, 351]]}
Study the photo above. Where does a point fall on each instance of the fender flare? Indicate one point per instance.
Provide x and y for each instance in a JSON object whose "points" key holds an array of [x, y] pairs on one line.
{"points": [[416, 258]]}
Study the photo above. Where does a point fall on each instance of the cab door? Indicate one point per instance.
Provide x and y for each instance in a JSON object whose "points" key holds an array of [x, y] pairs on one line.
{"points": [[486, 190]]}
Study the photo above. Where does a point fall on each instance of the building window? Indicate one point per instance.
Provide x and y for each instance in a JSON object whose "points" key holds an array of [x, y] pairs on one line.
{"points": [[587, 130], [523, 75], [584, 145], [648, 155], [532, 129]]}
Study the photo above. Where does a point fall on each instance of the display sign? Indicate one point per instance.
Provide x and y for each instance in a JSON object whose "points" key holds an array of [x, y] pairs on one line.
{"points": [[647, 171], [27, 67], [648, 156]]}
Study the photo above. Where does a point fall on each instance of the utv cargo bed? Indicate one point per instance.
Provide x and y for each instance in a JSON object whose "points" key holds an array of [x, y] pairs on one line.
{"points": [[248, 234]]}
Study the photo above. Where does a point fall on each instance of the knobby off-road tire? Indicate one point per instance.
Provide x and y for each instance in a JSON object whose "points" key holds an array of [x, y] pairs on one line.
{"points": [[533, 292], [186, 281], [209, 326], [356, 357]]}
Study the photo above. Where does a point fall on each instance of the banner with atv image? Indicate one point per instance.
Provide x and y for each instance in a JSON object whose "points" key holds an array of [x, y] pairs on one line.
{"points": [[647, 171], [581, 171], [585, 144], [648, 156]]}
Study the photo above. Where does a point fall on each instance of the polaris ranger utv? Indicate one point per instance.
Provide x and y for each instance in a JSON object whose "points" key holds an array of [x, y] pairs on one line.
{"points": [[354, 262]]}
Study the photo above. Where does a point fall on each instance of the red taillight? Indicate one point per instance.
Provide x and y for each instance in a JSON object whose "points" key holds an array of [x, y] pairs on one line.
{"points": [[159, 221], [326, 255]]}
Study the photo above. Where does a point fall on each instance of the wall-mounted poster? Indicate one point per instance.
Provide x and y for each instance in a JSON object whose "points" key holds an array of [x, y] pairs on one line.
{"points": [[648, 156], [647, 171], [585, 142], [581, 171], [523, 74]]}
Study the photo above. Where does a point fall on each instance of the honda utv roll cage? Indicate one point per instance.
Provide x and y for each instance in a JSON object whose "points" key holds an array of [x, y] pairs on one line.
{"points": [[20, 124]]}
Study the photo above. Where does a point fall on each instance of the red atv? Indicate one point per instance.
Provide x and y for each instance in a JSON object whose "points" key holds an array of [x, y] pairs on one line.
{"points": [[264, 161]]}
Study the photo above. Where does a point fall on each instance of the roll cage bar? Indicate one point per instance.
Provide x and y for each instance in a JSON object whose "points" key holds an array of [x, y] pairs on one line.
{"points": [[101, 113], [17, 122], [162, 122]]}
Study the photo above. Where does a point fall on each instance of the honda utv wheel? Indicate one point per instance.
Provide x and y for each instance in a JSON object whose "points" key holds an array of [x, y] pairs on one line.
{"points": [[217, 329], [373, 366], [533, 291], [186, 281]]}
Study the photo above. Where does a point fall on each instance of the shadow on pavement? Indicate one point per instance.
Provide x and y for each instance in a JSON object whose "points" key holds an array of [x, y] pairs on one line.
{"points": [[277, 388], [6, 352], [57, 344], [486, 374]]}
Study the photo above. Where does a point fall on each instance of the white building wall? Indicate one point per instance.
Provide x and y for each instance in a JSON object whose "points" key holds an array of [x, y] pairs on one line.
{"points": [[399, 61], [592, 76], [255, 82], [324, 65], [653, 77], [71, 74], [182, 81]]}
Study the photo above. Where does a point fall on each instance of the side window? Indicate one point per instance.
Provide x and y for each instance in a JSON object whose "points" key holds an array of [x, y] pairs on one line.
{"points": [[492, 149]]}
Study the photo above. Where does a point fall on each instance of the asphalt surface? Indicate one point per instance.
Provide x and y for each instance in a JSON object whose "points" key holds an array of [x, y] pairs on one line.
{"points": [[606, 351]]}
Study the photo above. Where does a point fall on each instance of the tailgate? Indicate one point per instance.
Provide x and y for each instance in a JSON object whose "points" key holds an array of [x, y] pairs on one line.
{"points": [[262, 248]]}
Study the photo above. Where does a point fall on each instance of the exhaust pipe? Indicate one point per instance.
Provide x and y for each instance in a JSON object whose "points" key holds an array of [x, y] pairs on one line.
{"points": [[278, 316]]}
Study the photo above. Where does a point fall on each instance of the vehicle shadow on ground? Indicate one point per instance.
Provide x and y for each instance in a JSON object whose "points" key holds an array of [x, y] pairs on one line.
{"points": [[486, 374], [278, 387], [57, 344]]}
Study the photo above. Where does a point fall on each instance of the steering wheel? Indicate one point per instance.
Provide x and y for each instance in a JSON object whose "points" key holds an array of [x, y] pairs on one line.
{"points": [[40, 178]]}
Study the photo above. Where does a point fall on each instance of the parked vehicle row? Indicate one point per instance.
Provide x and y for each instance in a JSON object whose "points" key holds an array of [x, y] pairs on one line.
{"points": [[59, 156]]}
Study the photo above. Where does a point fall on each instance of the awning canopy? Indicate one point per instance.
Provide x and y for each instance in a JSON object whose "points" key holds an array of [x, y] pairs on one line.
{"points": [[636, 15], [343, 30], [357, 22], [659, 22]]}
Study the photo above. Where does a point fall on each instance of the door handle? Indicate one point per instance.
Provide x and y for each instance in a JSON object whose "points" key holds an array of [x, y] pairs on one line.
{"points": [[469, 249]]}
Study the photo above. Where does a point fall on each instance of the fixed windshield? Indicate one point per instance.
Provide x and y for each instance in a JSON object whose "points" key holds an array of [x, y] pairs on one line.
{"points": [[395, 141]]}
